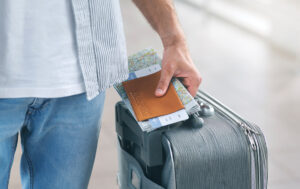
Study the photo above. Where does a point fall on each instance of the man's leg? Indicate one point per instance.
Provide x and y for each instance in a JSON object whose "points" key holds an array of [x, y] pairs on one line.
{"points": [[60, 141], [12, 116]]}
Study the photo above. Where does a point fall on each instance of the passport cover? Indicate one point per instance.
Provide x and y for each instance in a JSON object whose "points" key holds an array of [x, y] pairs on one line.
{"points": [[145, 104]]}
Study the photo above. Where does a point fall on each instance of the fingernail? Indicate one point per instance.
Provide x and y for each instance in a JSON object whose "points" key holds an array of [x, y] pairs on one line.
{"points": [[159, 91]]}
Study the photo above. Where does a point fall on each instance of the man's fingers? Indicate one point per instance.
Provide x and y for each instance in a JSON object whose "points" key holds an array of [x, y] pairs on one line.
{"points": [[163, 84], [192, 90], [192, 84]]}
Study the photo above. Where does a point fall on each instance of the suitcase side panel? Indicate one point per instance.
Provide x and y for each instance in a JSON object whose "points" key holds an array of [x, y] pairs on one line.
{"points": [[255, 138], [213, 156], [131, 175]]}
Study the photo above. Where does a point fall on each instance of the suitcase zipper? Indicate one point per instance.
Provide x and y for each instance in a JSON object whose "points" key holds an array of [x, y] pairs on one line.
{"points": [[249, 132], [254, 158]]}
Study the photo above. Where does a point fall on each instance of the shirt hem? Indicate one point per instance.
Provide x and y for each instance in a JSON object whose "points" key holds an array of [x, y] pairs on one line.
{"points": [[42, 92]]}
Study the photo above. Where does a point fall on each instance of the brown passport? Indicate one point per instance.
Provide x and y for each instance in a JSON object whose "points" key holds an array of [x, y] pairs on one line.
{"points": [[141, 94]]}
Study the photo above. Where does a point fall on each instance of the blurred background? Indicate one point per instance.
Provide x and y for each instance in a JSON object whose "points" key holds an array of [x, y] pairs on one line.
{"points": [[248, 54]]}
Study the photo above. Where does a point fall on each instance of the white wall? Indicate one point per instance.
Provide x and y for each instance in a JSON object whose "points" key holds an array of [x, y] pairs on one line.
{"points": [[276, 21]]}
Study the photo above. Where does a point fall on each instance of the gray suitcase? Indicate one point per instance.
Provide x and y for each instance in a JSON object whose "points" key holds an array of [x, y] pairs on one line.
{"points": [[214, 149]]}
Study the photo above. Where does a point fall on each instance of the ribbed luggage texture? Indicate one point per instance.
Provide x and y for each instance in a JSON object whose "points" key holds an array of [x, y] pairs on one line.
{"points": [[215, 149]]}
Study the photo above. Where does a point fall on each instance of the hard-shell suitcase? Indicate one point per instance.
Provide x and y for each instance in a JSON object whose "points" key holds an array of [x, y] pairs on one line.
{"points": [[214, 149]]}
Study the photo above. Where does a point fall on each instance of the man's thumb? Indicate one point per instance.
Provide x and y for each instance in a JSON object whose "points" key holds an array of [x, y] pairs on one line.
{"points": [[163, 83]]}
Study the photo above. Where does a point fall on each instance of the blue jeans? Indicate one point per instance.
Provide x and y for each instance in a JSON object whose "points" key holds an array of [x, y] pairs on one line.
{"points": [[59, 139]]}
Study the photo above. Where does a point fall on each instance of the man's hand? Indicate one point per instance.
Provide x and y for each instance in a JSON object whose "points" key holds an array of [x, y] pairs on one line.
{"points": [[176, 59], [177, 62]]}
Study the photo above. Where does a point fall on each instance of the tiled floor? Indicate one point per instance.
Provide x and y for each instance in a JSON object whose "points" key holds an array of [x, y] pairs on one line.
{"points": [[248, 75]]}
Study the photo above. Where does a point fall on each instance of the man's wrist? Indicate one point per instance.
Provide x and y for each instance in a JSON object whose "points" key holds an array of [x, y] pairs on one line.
{"points": [[173, 39]]}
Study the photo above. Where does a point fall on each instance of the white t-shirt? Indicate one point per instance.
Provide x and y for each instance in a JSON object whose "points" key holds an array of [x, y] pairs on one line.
{"points": [[38, 56]]}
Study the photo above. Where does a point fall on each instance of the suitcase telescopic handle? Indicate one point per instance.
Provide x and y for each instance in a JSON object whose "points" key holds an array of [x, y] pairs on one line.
{"points": [[225, 111]]}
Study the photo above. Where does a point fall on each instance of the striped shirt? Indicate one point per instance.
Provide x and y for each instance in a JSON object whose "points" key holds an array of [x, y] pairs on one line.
{"points": [[101, 44]]}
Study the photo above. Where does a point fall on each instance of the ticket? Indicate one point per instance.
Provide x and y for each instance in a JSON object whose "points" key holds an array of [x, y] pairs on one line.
{"points": [[145, 63]]}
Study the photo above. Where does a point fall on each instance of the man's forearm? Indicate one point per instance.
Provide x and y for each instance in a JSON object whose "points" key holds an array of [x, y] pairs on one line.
{"points": [[162, 17], [176, 60]]}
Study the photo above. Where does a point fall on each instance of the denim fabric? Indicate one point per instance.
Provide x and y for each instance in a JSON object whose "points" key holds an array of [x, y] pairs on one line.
{"points": [[58, 136]]}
